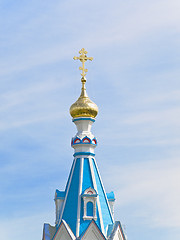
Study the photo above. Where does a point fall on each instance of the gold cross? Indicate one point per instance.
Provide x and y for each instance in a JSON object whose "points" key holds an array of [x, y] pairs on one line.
{"points": [[83, 58]]}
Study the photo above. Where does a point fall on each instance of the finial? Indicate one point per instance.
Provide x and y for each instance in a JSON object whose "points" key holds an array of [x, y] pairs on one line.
{"points": [[83, 58], [83, 107]]}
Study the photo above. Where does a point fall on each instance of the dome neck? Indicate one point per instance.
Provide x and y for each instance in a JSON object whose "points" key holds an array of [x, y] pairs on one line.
{"points": [[83, 124], [83, 89]]}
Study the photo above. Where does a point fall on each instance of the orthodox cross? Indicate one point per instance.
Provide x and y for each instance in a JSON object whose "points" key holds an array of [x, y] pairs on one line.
{"points": [[83, 58]]}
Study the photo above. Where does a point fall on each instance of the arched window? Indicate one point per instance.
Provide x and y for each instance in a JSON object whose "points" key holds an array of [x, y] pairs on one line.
{"points": [[89, 197], [89, 209]]}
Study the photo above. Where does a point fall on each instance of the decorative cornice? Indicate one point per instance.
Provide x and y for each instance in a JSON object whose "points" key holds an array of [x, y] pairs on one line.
{"points": [[83, 153], [80, 119]]}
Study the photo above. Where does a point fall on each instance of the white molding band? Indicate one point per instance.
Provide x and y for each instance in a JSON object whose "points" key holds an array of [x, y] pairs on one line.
{"points": [[67, 189], [79, 196], [98, 202]]}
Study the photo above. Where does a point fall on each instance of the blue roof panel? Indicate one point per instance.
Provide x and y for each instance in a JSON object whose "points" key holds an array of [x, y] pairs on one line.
{"points": [[70, 175], [87, 178], [71, 205], [106, 214], [86, 183], [60, 194], [46, 232], [110, 196]]}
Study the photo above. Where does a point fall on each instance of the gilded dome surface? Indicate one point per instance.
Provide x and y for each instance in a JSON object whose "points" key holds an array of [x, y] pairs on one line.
{"points": [[83, 107]]}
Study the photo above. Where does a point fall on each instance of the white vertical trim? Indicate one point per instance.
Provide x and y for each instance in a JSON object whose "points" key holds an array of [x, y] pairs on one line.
{"points": [[67, 189], [104, 192], [98, 202], [79, 196]]}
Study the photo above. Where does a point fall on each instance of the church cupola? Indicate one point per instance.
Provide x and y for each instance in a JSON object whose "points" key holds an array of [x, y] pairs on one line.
{"points": [[83, 112], [84, 210]]}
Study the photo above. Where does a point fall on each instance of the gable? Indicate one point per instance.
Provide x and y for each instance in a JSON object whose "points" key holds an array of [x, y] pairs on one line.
{"points": [[118, 235], [64, 232], [48, 232], [117, 232], [93, 233]]}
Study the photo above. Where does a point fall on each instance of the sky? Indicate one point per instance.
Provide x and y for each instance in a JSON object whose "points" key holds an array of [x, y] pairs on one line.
{"points": [[134, 80]]}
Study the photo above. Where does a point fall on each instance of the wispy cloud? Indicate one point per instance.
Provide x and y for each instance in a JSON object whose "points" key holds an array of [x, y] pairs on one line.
{"points": [[19, 108], [153, 187], [160, 117], [128, 22], [136, 69], [20, 226]]}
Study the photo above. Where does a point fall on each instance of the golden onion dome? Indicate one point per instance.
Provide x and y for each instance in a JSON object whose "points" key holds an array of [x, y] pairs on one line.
{"points": [[83, 107]]}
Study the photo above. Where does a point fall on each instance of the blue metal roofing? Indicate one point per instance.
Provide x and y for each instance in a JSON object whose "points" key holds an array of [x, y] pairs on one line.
{"points": [[82, 179], [110, 196], [71, 205], [106, 213], [59, 194], [112, 230], [48, 231], [86, 229], [86, 183], [87, 178]]}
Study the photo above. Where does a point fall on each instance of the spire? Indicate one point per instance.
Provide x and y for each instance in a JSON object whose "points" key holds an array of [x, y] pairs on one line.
{"points": [[83, 107], [84, 210], [85, 199]]}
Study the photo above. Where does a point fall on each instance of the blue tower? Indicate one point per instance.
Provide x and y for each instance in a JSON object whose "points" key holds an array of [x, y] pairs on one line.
{"points": [[84, 210]]}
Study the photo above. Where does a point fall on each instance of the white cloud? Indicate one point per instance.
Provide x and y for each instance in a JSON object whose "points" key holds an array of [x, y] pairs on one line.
{"points": [[29, 227], [151, 189], [155, 127], [164, 97], [30, 104], [16, 96], [33, 38], [122, 23], [166, 117]]}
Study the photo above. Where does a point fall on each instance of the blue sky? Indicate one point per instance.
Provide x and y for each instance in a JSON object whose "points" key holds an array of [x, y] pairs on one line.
{"points": [[134, 80]]}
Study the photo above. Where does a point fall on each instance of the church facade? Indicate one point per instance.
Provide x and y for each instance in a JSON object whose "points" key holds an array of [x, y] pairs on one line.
{"points": [[84, 210]]}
